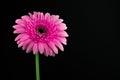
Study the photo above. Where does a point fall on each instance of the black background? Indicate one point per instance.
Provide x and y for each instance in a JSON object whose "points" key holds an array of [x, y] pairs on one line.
{"points": [[91, 52]]}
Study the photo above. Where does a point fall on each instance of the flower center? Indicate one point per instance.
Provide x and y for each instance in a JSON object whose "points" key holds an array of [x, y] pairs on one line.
{"points": [[41, 30]]}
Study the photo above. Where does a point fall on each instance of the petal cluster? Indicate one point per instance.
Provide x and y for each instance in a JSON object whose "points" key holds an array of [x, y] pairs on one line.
{"points": [[43, 33]]}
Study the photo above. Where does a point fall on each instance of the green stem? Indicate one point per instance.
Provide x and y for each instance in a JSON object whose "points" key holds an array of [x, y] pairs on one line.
{"points": [[37, 66]]}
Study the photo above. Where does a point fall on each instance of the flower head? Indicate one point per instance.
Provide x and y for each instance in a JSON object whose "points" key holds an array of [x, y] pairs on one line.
{"points": [[40, 32]]}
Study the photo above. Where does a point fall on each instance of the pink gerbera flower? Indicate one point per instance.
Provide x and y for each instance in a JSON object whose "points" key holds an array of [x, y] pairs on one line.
{"points": [[41, 33]]}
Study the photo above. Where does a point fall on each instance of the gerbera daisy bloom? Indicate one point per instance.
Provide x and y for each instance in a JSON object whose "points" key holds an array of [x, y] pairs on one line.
{"points": [[43, 33]]}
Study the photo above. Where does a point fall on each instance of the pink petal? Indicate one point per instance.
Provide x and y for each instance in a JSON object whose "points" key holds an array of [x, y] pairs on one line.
{"points": [[41, 16], [17, 26], [59, 45], [54, 18], [59, 21], [31, 16], [18, 42], [35, 48], [19, 36], [53, 47], [20, 45], [61, 26], [24, 47], [26, 18], [25, 37], [62, 34], [35, 15], [29, 48], [47, 15], [26, 42], [46, 50], [22, 39], [20, 30], [20, 22], [62, 40], [41, 47], [51, 52]]}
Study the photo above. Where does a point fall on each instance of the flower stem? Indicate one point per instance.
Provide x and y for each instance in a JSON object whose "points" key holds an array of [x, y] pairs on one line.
{"points": [[37, 66]]}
